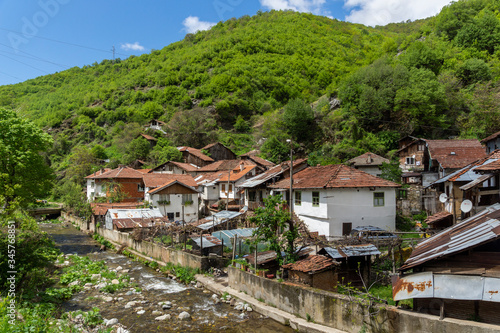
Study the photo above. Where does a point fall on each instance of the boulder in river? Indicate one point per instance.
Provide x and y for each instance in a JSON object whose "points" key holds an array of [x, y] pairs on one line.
{"points": [[184, 316], [164, 317], [111, 322]]}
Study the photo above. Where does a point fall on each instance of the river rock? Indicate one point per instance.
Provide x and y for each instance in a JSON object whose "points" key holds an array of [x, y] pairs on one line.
{"points": [[126, 271], [232, 302], [239, 306], [184, 316], [119, 268], [95, 276], [248, 308], [199, 284], [140, 312], [166, 305], [130, 304], [156, 313], [122, 330], [119, 299], [88, 284], [129, 293], [100, 285], [115, 281], [74, 283], [111, 322], [165, 317], [107, 298]]}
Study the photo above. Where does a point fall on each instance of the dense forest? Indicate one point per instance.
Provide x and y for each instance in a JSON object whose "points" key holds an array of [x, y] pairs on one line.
{"points": [[337, 89]]}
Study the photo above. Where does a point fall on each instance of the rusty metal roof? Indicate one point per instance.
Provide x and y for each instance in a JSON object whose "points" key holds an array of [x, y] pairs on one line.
{"points": [[474, 231], [271, 173], [475, 182], [312, 264], [208, 241], [491, 137], [350, 251], [438, 217], [196, 152], [129, 223], [454, 154], [448, 286]]}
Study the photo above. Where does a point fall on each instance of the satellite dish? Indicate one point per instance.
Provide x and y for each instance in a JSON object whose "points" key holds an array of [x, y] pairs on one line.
{"points": [[466, 206], [443, 197]]}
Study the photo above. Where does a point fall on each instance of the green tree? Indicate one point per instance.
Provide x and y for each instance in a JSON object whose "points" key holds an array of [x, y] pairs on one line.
{"points": [[24, 174], [164, 151], [275, 227], [275, 150], [138, 149], [391, 171], [193, 128], [473, 71], [82, 162], [298, 118]]}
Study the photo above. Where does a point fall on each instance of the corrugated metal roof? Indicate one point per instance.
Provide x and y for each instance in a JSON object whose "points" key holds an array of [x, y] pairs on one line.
{"points": [[208, 241], [217, 219], [447, 286], [271, 173], [474, 231], [475, 182], [242, 233], [134, 213], [350, 251]]}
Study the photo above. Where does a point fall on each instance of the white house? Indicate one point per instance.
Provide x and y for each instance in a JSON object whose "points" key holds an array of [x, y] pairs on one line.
{"points": [[176, 168], [369, 163], [176, 196], [333, 199]]}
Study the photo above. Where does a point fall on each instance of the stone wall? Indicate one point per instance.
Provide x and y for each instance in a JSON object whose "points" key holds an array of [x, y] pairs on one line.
{"points": [[149, 249], [343, 312]]}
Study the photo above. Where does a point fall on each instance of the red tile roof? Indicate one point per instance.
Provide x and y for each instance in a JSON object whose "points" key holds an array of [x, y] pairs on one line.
{"points": [[312, 264], [261, 161], [148, 137], [455, 154], [438, 217], [153, 180], [491, 137], [184, 166], [196, 152], [121, 172], [490, 167], [493, 155], [223, 165], [367, 159], [170, 183], [102, 208], [333, 176]]}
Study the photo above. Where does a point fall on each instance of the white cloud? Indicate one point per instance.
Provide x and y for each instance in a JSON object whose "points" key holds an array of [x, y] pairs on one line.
{"points": [[193, 24], [309, 6], [382, 12], [132, 47]]}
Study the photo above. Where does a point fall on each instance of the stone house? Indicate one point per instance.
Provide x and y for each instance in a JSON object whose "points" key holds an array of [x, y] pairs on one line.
{"points": [[333, 199], [491, 142]]}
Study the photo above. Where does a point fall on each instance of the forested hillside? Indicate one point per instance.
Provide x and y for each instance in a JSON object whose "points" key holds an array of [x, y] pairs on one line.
{"points": [[338, 89]]}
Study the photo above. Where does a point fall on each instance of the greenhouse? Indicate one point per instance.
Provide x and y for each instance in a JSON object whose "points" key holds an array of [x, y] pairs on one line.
{"points": [[243, 234]]}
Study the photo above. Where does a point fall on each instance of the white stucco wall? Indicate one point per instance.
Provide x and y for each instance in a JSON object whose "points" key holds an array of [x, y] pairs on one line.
{"points": [[96, 189], [372, 170], [190, 211], [337, 206]]}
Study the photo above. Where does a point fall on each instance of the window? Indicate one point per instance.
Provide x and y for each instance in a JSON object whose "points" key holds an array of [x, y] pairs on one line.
{"points": [[163, 198], [402, 193], [315, 197], [177, 214], [223, 187], [140, 188], [230, 188], [410, 161], [170, 168], [92, 184], [187, 199], [378, 199], [421, 147], [298, 198], [251, 196]]}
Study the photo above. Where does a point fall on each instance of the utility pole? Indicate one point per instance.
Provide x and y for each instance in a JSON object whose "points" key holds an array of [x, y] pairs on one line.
{"points": [[227, 194], [291, 178]]}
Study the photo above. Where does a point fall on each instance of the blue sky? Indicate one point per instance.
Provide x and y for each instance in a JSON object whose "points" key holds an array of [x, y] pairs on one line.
{"points": [[40, 37]]}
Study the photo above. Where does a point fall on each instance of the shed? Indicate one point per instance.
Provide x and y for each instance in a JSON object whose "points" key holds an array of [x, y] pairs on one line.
{"points": [[355, 261], [456, 273], [316, 271], [128, 219], [208, 244]]}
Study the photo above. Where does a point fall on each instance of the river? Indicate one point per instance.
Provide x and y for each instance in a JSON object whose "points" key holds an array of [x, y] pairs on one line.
{"points": [[153, 287]]}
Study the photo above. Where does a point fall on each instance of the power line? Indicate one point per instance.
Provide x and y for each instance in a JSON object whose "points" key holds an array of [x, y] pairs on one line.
{"points": [[41, 70], [29, 56], [62, 42], [12, 76]]}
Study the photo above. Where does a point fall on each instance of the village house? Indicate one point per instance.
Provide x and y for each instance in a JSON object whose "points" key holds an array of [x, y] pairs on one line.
{"points": [[156, 125], [456, 273], [224, 165], [225, 185], [176, 168], [491, 142], [194, 156], [478, 183], [126, 220], [175, 195], [256, 188], [369, 163], [333, 199], [253, 156], [217, 151], [129, 181]]}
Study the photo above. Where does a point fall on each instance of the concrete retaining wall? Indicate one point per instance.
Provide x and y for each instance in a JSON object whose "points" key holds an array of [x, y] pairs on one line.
{"points": [[345, 313], [149, 249]]}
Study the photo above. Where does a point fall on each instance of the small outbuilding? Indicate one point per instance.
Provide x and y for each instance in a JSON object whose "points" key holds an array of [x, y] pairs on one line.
{"points": [[316, 271]]}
